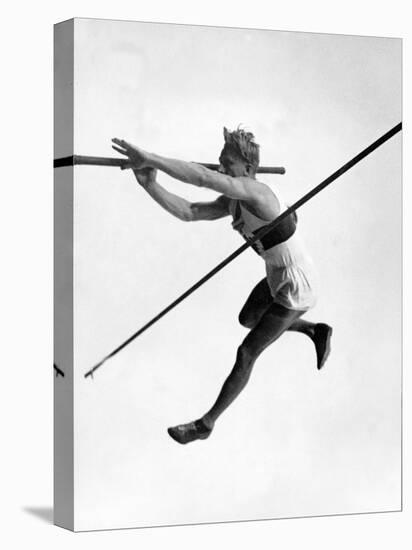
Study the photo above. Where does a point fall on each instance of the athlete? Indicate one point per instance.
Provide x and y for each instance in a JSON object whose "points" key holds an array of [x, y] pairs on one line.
{"points": [[278, 301]]}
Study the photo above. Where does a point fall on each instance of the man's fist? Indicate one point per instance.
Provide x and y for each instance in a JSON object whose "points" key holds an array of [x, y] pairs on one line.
{"points": [[145, 176]]}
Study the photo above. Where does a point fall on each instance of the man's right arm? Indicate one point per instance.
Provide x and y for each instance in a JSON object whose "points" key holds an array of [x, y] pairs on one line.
{"points": [[178, 206]]}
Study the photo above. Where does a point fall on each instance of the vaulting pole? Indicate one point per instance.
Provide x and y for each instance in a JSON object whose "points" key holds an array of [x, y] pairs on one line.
{"points": [[258, 236], [58, 371], [124, 164]]}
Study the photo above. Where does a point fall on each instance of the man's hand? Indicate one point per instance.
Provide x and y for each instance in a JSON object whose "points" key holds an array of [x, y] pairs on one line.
{"points": [[145, 176], [138, 157]]}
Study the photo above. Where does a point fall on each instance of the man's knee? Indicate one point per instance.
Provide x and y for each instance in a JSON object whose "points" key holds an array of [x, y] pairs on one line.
{"points": [[251, 347], [246, 319], [243, 367], [245, 356]]}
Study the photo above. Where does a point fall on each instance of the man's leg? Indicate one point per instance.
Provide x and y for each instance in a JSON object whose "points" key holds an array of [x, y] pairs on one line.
{"points": [[274, 322], [260, 300], [319, 333]]}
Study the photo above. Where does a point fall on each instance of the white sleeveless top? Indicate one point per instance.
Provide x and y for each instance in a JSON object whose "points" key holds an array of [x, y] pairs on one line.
{"points": [[289, 268]]}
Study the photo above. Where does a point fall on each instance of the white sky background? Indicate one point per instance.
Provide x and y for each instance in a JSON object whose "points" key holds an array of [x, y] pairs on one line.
{"points": [[297, 442]]}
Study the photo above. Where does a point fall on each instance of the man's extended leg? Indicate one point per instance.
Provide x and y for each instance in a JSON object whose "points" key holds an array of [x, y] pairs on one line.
{"points": [[274, 322], [319, 333]]}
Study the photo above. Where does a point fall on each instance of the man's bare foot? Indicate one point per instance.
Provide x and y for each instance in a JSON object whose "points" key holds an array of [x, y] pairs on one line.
{"points": [[321, 339], [185, 433]]}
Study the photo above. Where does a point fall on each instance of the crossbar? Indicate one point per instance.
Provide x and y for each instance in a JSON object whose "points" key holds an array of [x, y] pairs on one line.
{"points": [[125, 164]]}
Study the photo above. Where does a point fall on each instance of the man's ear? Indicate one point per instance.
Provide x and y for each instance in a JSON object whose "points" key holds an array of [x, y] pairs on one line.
{"points": [[249, 169]]}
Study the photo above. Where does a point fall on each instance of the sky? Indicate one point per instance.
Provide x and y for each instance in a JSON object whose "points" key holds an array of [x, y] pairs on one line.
{"points": [[297, 441]]}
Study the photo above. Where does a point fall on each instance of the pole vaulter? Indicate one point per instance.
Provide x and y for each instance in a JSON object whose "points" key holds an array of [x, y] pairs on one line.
{"points": [[124, 164]]}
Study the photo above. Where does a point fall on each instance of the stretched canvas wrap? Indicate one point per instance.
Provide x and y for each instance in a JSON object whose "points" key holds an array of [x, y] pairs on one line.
{"points": [[296, 440]]}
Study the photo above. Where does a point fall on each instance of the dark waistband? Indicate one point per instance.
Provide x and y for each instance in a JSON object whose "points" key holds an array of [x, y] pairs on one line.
{"points": [[279, 234]]}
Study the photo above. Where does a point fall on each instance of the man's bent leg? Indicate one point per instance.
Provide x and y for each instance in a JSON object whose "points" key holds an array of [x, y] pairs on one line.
{"points": [[319, 333], [274, 322], [303, 326]]}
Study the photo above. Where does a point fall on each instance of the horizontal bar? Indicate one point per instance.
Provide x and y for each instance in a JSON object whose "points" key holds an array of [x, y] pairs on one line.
{"points": [[124, 164]]}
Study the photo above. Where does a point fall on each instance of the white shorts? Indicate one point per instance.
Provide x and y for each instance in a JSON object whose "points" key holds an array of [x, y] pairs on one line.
{"points": [[293, 286]]}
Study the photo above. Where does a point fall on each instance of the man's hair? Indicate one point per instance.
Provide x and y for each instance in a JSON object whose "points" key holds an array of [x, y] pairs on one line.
{"points": [[242, 144]]}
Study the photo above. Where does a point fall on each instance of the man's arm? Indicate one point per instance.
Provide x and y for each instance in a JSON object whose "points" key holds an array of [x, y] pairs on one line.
{"points": [[178, 206], [200, 176], [195, 174]]}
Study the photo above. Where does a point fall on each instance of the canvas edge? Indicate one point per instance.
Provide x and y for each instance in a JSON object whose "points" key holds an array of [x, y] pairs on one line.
{"points": [[63, 449]]}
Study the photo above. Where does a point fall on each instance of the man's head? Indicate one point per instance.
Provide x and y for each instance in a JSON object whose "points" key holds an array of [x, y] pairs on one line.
{"points": [[240, 154]]}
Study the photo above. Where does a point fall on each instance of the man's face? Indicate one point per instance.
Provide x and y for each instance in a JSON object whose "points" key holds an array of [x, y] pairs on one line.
{"points": [[232, 165]]}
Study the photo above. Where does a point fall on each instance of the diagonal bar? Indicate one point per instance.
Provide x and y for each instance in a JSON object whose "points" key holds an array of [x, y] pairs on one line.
{"points": [[258, 236], [58, 371]]}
